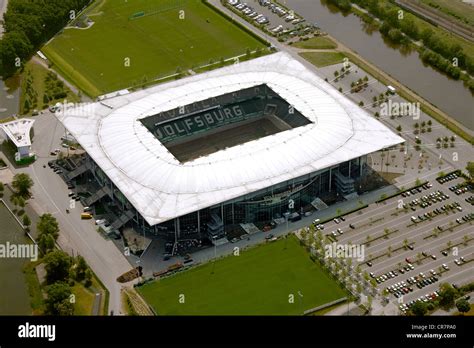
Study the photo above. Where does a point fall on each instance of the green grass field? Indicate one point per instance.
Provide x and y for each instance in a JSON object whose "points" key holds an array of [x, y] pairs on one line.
{"points": [[318, 42], [258, 282], [155, 44], [321, 59], [458, 10]]}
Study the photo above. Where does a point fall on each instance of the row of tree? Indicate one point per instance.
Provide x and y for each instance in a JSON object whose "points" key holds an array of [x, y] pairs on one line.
{"points": [[29, 24], [446, 300], [62, 270], [438, 52], [440, 63], [344, 5]]}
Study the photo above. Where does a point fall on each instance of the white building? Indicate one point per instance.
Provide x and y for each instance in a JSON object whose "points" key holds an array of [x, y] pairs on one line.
{"points": [[18, 131]]}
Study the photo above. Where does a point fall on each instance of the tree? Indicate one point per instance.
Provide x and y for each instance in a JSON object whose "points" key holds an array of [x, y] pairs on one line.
{"points": [[419, 308], [446, 295], [88, 278], [405, 244], [463, 305], [48, 224], [369, 303], [419, 257], [26, 222], [21, 202], [14, 200], [470, 169], [58, 301], [57, 264], [46, 243], [399, 128], [80, 268], [22, 184]]}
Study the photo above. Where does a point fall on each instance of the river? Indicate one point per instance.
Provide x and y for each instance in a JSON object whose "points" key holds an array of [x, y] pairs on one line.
{"points": [[9, 97], [448, 95]]}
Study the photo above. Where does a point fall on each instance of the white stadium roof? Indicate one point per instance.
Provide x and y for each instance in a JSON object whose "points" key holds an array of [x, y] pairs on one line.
{"points": [[161, 188]]}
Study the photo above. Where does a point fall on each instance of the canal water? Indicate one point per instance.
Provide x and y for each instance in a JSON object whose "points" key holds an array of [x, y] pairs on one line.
{"points": [[14, 299], [449, 95], [9, 97]]}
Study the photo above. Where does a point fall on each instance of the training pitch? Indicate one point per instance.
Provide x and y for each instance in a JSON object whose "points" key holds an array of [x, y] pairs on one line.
{"points": [[258, 282], [136, 41]]}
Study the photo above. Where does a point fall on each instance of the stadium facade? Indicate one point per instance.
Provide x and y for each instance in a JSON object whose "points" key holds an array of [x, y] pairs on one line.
{"points": [[247, 143]]}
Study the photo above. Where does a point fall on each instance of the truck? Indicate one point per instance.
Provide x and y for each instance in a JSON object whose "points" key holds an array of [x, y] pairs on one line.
{"points": [[86, 216]]}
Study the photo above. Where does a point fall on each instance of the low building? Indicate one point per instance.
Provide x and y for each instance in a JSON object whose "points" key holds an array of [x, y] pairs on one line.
{"points": [[19, 133]]}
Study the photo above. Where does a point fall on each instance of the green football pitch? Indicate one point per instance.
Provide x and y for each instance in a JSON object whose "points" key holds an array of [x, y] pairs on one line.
{"points": [[258, 282], [135, 41]]}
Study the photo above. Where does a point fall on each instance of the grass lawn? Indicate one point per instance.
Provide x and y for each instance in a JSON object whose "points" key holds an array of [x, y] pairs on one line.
{"points": [[118, 52], [470, 313], [457, 9], [84, 296], [84, 300], [258, 282], [321, 59], [33, 86], [317, 42]]}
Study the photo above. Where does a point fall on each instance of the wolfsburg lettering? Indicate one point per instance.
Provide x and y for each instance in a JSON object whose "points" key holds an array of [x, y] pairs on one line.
{"points": [[210, 119]]}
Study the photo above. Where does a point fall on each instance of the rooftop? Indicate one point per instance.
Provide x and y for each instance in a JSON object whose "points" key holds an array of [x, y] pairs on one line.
{"points": [[18, 131], [161, 187]]}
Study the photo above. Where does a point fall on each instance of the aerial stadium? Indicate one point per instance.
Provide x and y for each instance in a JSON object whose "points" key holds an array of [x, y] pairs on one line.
{"points": [[245, 144]]}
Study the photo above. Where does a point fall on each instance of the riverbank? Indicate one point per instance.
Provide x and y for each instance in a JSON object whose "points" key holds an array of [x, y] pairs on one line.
{"points": [[410, 95], [403, 65], [341, 51]]}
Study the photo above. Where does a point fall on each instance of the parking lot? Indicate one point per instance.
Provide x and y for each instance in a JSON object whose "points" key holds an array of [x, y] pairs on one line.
{"points": [[276, 19], [411, 249]]}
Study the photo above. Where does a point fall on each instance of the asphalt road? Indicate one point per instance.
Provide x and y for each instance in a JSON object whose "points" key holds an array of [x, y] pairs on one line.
{"points": [[77, 236]]}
